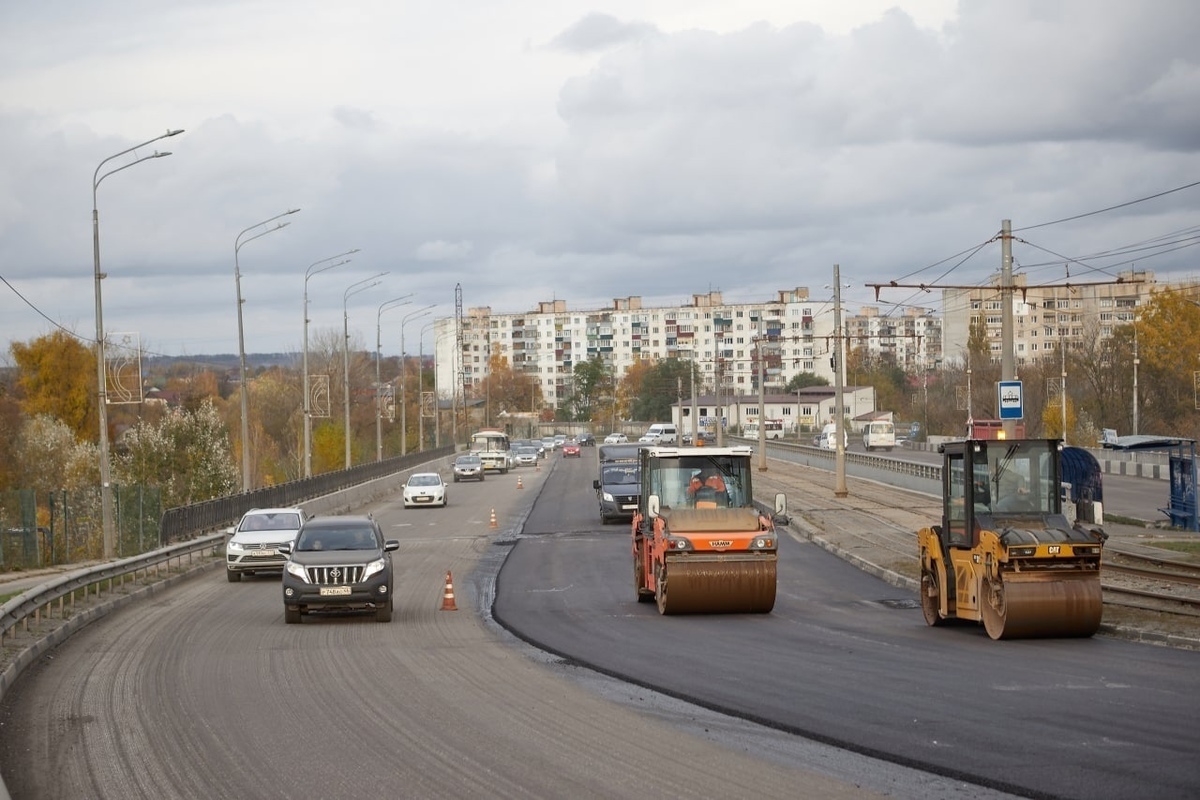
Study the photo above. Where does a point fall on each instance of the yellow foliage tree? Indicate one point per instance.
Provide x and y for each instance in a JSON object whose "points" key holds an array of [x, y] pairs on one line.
{"points": [[56, 374]]}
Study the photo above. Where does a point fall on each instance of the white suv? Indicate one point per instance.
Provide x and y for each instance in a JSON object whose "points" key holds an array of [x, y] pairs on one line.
{"points": [[256, 539]]}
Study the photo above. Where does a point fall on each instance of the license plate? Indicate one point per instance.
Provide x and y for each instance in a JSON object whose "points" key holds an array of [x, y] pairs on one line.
{"points": [[334, 591], [263, 553], [629, 508], [424, 499]]}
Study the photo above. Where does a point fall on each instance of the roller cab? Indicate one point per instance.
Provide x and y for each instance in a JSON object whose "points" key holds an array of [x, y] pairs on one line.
{"points": [[699, 543], [1005, 555]]}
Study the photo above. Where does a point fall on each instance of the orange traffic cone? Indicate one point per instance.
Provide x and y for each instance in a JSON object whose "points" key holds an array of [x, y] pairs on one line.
{"points": [[493, 522], [448, 595], [519, 484]]}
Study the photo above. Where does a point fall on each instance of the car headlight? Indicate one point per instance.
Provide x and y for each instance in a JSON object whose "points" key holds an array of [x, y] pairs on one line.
{"points": [[608, 498], [297, 570], [375, 566], [234, 545]]}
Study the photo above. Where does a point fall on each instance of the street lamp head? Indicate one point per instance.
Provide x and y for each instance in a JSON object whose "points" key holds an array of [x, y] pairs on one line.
{"points": [[158, 154], [175, 132]]}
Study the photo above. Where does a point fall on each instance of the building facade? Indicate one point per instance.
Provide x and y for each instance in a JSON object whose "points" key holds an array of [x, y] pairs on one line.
{"points": [[736, 346]]}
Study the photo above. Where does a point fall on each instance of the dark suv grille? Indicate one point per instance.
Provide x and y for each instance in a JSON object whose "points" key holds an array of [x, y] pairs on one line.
{"points": [[325, 576]]}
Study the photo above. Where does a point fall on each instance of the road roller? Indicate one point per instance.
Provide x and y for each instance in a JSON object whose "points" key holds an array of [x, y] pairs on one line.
{"points": [[1005, 554], [700, 545]]}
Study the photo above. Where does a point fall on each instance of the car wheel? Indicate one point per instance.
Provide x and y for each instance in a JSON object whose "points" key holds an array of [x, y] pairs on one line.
{"points": [[233, 575], [456, 479], [291, 615], [384, 613]]}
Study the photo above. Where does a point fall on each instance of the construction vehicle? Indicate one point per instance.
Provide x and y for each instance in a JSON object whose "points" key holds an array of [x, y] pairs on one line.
{"points": [[1005, 554], [699, 543]]}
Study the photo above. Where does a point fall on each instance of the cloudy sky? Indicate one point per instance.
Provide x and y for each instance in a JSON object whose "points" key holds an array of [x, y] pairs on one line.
{"points": [[532, 150]]}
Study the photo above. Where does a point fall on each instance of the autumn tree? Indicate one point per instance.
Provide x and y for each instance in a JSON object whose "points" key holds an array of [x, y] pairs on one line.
{"points": [[186, 455], [1168, 330], [57, 376]]}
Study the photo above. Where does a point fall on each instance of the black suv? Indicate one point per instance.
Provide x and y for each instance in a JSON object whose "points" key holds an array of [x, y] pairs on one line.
{"points": [[338, 563]]}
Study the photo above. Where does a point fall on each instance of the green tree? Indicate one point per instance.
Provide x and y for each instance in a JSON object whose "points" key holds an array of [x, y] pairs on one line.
{"points": [[57, 376], [803, 380], [593, 388], [660, 387]]}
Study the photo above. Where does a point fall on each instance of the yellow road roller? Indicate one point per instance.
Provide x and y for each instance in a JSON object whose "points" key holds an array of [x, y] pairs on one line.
{"points": [[699, 543], [1005, 554]]}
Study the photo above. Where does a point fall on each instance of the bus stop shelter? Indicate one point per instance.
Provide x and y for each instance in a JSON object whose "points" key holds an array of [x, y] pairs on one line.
{"points": [[1181, 458]]}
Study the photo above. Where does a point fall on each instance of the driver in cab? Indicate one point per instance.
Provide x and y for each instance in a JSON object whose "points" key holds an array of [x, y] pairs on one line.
{"points": [[706, 488]]}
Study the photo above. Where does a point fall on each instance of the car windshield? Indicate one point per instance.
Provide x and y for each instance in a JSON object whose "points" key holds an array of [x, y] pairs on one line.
{"points": [[424, 480], [347, 538], [468, 462], [620, 475], [527, 451], [283, 521]]}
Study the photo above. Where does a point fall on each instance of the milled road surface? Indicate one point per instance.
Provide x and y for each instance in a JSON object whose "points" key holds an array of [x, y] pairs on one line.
{"points": [[205, 692]]}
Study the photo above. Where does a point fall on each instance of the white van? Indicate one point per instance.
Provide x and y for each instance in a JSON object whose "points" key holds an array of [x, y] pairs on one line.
{"points": [[829, 438], [879, 434], [660, 433]]}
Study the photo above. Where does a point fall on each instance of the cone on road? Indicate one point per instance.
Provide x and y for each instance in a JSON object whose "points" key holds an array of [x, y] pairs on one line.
{"points": [[493, 524], [448, 595], [519, 484]]}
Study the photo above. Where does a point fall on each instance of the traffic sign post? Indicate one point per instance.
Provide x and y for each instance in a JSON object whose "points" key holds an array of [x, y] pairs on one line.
{"points": [[1010, 400]]}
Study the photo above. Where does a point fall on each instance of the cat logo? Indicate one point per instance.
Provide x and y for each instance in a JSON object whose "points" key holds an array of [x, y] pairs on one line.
{"points": [[1054, 549]]}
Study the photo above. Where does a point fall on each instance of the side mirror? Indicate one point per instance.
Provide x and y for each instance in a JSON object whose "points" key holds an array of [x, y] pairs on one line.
{"points": [[390, 545], [780, 517], [596, 484], [285, 548], [653, 504]]}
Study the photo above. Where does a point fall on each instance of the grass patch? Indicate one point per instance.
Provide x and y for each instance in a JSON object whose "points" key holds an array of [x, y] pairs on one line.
{"points": [[4, 598], [1189, 547]]}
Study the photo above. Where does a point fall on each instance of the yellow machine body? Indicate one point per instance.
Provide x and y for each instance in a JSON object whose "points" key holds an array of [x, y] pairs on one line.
{"points": [[1005, 555]]}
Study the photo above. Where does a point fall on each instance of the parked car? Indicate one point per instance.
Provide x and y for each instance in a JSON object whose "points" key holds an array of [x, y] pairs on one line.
{"points": [[616, 438], [254, 544], [424, 489], [586, 440], [468, 467], [338, 563], [570, 448], [526, 456]]}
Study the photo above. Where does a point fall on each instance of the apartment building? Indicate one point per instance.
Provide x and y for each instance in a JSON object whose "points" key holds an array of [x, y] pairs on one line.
{"points": [[733, 344], [1045, 318]]}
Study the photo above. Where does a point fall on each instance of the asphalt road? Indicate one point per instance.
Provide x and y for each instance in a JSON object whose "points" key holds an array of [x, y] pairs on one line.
{"points": [[206, 693], [847, 659]]}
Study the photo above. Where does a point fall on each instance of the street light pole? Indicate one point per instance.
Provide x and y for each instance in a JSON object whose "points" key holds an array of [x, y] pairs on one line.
{"points": [[350, 290], [420, 385], [420, 312], [106, 502], [245, 389], [384, 306], [308, 273]]}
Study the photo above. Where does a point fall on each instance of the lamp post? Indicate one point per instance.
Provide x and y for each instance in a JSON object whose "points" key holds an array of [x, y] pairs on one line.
{"points": [[106, 503], [245, 389], [420, 384], [384, 306], [420, 312], [353, 288], [308, 273]]}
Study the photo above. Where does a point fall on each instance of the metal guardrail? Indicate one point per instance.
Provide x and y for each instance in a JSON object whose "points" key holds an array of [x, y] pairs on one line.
{"points": [[59, 596]]}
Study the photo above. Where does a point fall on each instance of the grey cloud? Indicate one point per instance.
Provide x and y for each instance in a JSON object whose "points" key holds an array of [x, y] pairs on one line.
{"points": [[597, 32]]}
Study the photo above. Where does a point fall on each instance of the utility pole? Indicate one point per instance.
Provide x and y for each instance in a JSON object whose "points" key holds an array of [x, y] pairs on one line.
{"points": [[1007, 368], [839, 485]]}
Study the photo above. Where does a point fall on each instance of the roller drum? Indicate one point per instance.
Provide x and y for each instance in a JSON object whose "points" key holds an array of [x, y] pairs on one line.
{"points": [[702, 587], [1033, 605]]}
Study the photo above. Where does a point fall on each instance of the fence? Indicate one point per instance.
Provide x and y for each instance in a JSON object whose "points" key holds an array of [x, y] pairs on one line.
{"points": [[65, 527]]}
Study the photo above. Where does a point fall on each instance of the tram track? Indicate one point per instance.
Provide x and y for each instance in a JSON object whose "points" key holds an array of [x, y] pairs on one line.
{"points": [[1135, 577]]}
